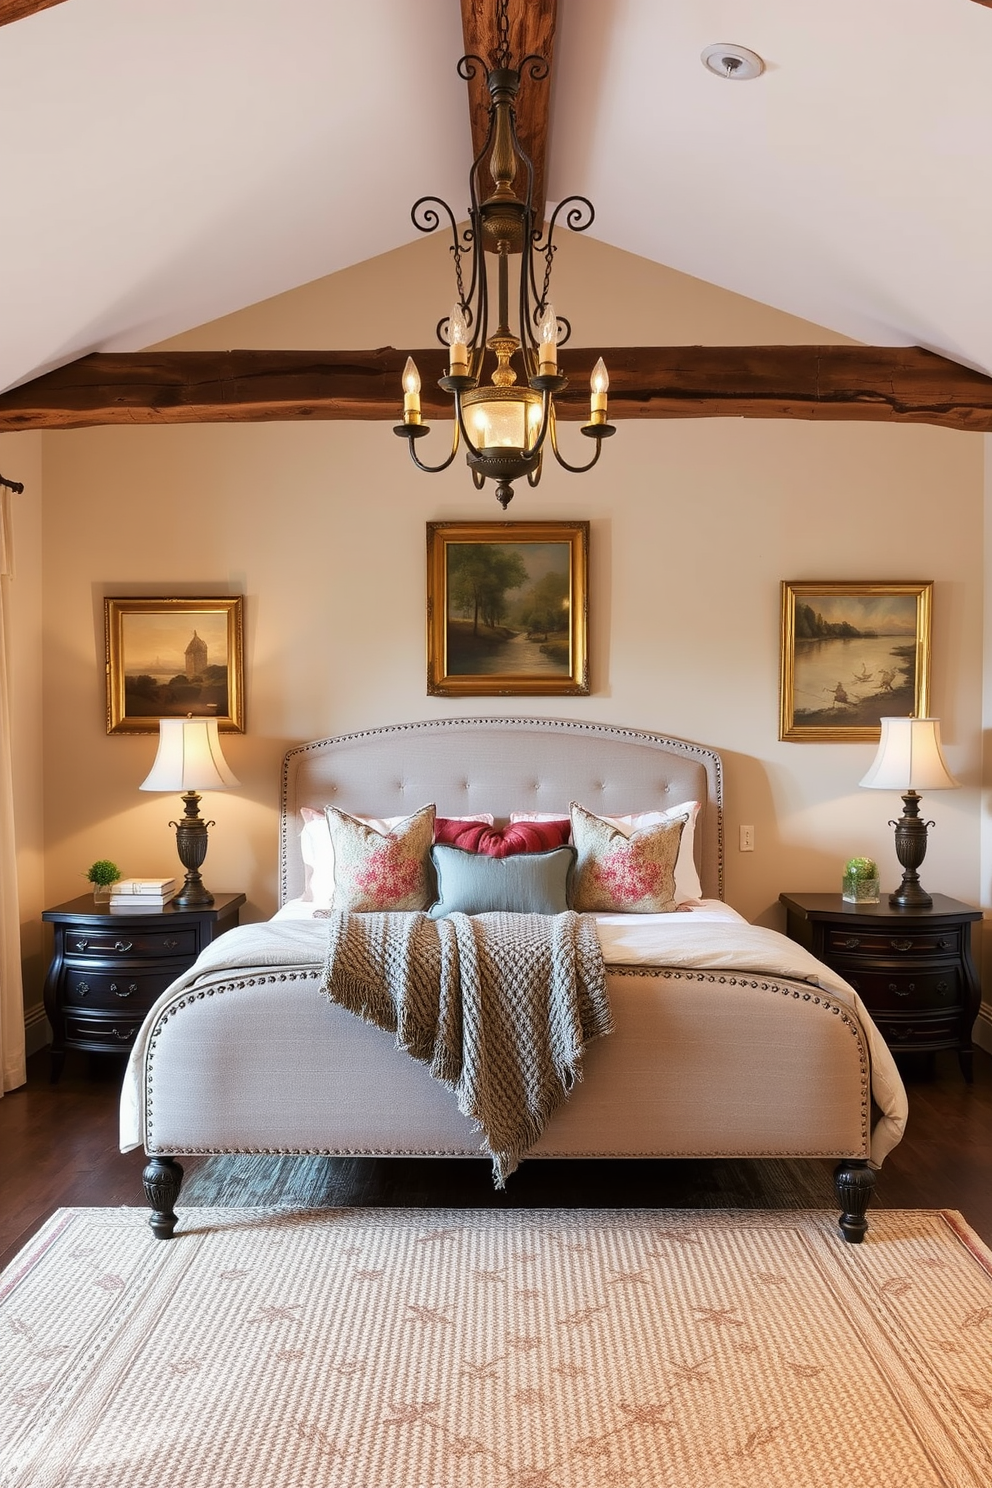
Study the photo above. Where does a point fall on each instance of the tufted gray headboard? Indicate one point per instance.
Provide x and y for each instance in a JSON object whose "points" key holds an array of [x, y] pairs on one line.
{"points": [[501, 765]]}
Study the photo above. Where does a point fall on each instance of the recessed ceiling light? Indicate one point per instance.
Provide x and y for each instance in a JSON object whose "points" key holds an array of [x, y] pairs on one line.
{"points": [[728, 60]]}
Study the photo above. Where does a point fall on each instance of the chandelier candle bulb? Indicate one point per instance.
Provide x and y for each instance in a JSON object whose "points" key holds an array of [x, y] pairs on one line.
{"points": [[548, 364], [458, 344], [411, 392], [599, 382]]}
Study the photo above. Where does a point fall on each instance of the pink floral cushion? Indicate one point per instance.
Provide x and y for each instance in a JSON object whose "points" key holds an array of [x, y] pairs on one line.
{"points": [[617, 873], [382, 870], [502, 842]]}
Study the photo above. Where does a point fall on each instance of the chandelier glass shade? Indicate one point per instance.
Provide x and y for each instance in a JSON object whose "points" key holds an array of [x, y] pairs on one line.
{"points": [[504, 423]]}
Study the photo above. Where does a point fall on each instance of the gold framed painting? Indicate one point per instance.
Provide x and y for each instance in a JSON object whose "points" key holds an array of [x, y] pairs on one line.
{"points": [[507, 609], [174, 658], [852, 654]]}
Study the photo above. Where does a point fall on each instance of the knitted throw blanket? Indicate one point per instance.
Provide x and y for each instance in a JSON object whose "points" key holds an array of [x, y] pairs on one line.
{"points": [[500, 1006]]}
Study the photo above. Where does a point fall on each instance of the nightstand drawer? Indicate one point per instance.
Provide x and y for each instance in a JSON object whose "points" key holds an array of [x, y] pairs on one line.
{"points": [[144, 944], [101, 1033], [85, 988], [921, 1033], [890, 992], [891, 944]]}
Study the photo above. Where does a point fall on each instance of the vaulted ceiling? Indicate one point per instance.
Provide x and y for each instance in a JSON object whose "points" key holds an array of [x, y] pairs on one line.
{"points": [[166, 164]]}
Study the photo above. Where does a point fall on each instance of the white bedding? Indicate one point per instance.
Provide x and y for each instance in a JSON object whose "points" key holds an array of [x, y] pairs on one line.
{"points": [[709, 935]]}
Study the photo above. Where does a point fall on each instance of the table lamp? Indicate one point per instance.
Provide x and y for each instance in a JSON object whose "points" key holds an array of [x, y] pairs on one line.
{"points": [[909, 760], [190, 759]]}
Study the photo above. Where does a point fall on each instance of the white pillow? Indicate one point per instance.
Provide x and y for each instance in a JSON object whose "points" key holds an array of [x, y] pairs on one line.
{"points": [[687, 885], [317, 850]]}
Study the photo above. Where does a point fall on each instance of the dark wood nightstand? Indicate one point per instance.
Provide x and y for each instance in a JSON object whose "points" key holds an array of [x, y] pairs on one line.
{"points": [[912, 968], [108, 968]]}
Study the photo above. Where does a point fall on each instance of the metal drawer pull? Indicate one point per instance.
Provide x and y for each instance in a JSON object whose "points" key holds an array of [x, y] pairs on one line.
{"points": [[132, 987], [124, 1035], [851, 943], [943, 943], [123, 945], [901, 945], [81, 945], [82, 988], [902, 991], [942, 987], [171, 943]]}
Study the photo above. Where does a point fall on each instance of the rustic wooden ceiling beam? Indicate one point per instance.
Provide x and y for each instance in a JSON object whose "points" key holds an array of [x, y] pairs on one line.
{"points": [[16, 10], [873, 384], [532, 33]]}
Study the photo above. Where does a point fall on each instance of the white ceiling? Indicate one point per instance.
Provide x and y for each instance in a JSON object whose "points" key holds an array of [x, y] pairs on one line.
{"points": [[166, 164]]}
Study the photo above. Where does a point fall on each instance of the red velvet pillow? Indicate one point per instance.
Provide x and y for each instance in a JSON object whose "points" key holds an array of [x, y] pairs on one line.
{"points": [[502, 842]]}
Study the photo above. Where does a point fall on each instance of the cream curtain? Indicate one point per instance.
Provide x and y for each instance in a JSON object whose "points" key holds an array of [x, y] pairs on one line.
{"points": [[12, 1054]]}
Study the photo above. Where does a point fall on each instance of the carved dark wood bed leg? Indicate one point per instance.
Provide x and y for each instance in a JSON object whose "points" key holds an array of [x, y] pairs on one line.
{"points": [[854, 1182], [163, 1178]]}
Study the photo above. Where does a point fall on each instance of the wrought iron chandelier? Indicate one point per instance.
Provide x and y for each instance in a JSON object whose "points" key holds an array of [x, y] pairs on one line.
{"points": [[505, 424]]}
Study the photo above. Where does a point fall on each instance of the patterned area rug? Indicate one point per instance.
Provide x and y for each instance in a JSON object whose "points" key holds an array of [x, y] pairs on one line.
{"points": [[376, 1348]]}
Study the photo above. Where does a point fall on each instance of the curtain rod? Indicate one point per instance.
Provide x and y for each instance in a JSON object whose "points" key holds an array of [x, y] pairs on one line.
{"points": [[17, 486]]}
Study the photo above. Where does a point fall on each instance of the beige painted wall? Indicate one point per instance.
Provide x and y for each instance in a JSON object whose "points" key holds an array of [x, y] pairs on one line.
{"points": [[694, 525]]}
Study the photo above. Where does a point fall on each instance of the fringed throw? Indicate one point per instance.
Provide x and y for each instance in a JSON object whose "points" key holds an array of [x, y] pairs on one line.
{"points": [[500, 1006]]}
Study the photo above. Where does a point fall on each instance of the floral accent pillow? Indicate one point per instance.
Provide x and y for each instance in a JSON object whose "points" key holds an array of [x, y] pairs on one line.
{"points": [[382, 870], [617, 873]]}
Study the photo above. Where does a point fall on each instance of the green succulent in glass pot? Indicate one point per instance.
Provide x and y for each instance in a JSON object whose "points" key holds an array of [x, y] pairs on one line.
{"points": [[860, 882], [102, 874]]}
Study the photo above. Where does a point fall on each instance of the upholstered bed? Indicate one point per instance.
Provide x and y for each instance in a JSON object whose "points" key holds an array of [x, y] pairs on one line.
{"points": [[729, 1040]]}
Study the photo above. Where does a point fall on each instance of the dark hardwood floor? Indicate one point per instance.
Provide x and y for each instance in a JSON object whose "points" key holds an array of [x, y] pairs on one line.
{"points": [[59, 1149]]}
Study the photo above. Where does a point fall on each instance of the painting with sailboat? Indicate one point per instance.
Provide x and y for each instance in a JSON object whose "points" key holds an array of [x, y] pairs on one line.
{"points": [[852, 655]]}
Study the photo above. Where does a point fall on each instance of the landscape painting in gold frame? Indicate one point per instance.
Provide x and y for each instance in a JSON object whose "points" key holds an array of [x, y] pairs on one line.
{"points": [[507, 609], [852, 654], [174, 658]]}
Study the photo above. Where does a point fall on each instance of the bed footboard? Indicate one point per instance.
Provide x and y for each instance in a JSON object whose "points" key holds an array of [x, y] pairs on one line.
{"points": [[702, 1064]]}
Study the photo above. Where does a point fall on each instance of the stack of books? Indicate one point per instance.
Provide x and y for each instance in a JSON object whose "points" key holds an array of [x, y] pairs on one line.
{"points": [[129, 894]]}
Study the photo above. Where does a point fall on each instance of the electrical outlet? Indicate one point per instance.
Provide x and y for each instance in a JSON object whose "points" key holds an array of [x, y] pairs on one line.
{"points": [[747, 839]]}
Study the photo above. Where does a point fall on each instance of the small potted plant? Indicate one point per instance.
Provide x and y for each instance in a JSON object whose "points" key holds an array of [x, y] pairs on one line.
{"points": [[860, 881], [101, 875]]}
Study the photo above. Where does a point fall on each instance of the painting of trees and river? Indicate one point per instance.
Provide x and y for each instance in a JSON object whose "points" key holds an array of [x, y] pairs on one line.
{"points": [[854, 659], [508, 609]]}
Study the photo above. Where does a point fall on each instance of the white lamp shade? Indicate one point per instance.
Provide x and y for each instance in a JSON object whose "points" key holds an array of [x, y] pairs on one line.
{"points": [[909, 757], [189, 757]]}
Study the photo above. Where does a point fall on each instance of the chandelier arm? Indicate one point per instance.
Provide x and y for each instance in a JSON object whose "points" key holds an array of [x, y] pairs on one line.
{"points": [[579, 469], [431, 469], [580, 216]]}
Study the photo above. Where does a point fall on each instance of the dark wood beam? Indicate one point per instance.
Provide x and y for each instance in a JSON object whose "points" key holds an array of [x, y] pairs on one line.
{"points": [[866, 383], [532, 31], [16, 10]]}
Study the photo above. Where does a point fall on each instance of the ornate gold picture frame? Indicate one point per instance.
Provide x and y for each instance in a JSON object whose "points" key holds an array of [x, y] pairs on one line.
{"points": [[853, 653], [172, 658], [507, 609]]}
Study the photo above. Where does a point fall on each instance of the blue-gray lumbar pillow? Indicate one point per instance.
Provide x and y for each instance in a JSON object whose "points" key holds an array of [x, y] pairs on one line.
{"points": [[527, 883]]}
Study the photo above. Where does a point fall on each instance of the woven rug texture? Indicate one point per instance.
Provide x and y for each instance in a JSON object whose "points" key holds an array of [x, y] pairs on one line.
{"points": [[377, 1348]]}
